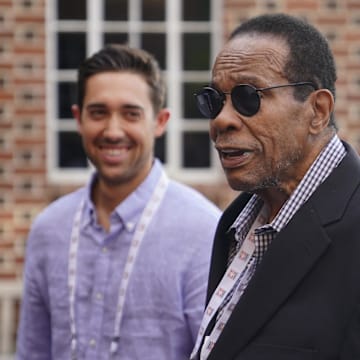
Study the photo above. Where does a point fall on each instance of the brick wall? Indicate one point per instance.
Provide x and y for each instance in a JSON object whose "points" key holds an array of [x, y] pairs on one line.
{"points": [[24, 190], [22, 127]]}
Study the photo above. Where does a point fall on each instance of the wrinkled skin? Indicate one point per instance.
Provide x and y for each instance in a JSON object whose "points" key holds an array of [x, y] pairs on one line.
{"points": [[270, 152]]}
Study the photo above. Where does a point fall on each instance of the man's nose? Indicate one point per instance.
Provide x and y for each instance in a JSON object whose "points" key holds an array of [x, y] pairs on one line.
{"points": [[227, 120], [114, 127]]}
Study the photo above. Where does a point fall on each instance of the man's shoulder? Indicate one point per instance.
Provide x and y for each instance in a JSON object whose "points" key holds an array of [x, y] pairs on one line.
{"points": [[61, 208], [185, 195], [53, 225]]}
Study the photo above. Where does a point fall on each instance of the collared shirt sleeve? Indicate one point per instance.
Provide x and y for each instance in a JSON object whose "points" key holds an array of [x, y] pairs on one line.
{"points": [[34, 330], [195, 286]]}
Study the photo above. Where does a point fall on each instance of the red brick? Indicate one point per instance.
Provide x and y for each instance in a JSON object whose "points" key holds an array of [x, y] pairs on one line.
{"points": [[353, 5], [26, 19], [308, 5], [334, 20]]}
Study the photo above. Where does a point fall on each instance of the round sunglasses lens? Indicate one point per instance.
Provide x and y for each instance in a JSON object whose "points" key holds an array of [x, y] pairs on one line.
{"points": [[209, 102], [245, 99]]}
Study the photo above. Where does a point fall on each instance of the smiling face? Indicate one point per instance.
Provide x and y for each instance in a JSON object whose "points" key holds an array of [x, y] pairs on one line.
{"points": [[118, 126], [274, 148]]}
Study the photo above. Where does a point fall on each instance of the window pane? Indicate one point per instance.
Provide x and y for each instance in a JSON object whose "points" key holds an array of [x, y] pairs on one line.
{"points": [[198, 10], [196, 151], [155, 44], [116, 10], [70, 10], [153, 10], [196, 51], [190, 109], [115, 38], [71, 50], [71, 153], [160, 146], [67, 97]]}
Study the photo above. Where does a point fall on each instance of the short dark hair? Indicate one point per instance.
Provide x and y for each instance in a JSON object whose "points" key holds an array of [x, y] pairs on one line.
{"points": [[310, 57], [116, 57]]}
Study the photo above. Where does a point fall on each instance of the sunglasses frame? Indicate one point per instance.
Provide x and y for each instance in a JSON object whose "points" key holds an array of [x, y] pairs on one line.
{"points": [[221, 98]]}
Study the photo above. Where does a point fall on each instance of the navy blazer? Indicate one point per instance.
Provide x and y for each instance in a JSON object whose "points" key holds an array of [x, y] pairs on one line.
{"points": [[303, 301]]}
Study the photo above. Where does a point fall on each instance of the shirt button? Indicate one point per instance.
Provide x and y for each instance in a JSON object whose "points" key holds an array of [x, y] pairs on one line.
{"points": [[104, 249], [92, 342], [130, 226], [99, 296]]}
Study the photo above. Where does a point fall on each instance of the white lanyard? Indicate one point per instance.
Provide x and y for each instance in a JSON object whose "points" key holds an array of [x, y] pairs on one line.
{"points": [[145, 220], [226, 285]]}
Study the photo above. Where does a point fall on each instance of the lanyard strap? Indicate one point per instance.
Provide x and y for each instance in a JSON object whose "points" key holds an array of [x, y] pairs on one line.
{"points": [[225, 287], [136, 241]]}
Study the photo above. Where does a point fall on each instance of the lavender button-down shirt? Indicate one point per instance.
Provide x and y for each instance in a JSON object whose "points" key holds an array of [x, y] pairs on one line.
{"points": [[166, 293]]}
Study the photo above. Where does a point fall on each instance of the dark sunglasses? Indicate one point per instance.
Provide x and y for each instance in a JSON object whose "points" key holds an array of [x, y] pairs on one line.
{"points": [[245, 98]]}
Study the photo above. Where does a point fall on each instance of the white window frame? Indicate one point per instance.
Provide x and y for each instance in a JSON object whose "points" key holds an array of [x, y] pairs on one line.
{"points": [[174, 28]]}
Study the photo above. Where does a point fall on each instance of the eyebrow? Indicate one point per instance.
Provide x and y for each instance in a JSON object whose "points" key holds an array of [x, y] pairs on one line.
{"points": [[124, 106], [132, 107]]}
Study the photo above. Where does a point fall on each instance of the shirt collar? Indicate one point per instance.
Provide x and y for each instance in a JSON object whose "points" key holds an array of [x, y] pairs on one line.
{"points": [[324, 164], [130, 209], [328, 159]]}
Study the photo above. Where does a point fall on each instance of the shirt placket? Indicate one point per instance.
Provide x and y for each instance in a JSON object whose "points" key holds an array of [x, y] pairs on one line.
{"points": [[97, 307]]}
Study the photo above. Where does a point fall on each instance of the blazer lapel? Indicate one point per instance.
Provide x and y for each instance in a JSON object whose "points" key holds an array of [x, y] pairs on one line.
{"points": [[288, 259], [222, 241]]}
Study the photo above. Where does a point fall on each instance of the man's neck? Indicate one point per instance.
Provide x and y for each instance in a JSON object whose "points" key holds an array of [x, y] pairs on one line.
{"points": [[106, 197]]}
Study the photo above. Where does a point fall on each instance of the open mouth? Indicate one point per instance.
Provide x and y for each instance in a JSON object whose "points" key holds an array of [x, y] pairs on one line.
{"points": [[230, 153], [114, 151], [114, 154], [233, 158]]}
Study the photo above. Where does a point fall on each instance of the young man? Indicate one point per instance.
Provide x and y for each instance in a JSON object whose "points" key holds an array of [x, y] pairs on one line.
{"points": [[284, 277], [118, 269]]}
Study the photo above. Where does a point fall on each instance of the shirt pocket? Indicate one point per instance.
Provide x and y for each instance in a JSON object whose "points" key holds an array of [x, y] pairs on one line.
{"points": [[60, 314], [59, 303]]}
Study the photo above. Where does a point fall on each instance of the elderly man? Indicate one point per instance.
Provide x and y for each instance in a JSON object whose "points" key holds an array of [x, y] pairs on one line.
{"points": [[285, 272]]}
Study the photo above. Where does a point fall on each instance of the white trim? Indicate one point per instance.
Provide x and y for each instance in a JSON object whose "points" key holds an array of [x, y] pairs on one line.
{"points": [[51, 96], [10, 293], [135, 25], [94, 26], [173, 56], [70, 25]]}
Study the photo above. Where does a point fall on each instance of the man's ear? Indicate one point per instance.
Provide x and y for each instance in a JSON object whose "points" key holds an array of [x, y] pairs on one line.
{"points": [[75, 109], [162, 118], [322, 102]]}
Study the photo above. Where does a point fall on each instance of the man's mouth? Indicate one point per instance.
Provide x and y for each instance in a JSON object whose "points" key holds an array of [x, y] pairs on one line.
{"points": [[229, 153], [114, 151], [233, 157]]}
